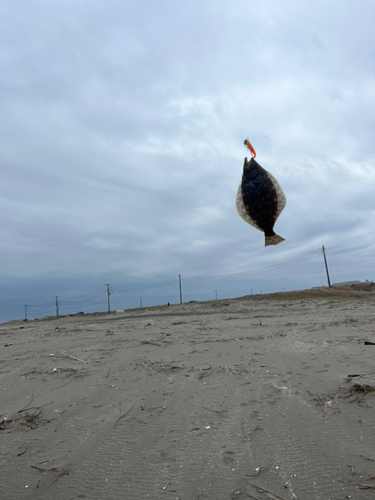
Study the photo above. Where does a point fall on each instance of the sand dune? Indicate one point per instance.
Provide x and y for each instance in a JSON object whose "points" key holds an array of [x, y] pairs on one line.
{"points": [[232, 399]]}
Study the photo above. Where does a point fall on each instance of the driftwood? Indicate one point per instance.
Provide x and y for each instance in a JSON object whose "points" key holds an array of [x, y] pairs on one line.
{"points": [[72, 357]]}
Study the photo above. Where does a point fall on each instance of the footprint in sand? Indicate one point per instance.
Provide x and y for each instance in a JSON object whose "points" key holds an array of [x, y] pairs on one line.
{"points": [[228, 458]]}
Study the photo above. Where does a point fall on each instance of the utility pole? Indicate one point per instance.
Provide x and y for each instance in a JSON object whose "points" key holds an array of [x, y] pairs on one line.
{"points": [[26, 306], [57, 307], [108, 294], [325, 262], [179, 280], [140, 300], [216, 294]]}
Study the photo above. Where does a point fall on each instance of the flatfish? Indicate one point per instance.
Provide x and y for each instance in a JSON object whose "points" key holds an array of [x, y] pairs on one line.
{"points": [[260, 199]]}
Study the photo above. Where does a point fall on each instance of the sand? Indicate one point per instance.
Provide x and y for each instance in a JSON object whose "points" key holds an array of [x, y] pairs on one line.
{"points": [[237, 399]]}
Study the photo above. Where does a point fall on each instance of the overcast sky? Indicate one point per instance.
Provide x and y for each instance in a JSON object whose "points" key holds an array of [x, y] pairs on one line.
{"points": [[121, 142]]}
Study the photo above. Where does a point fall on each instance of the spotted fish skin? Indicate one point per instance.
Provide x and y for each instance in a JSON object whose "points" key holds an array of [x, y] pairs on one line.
{"points": [[260, 200]]}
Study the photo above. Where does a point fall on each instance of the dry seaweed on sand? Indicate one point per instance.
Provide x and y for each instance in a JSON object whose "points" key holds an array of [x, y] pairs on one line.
{"points": [[269, 493], [123, 415], [72, 357], [258, 470], [204, 372], [322, 400], [41, 469], [22, 452], [362, 388], [361, 486], [30, 419], [28, 407]]}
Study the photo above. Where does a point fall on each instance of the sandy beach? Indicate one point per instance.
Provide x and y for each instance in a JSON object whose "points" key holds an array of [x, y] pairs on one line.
{"points": [[260, 397]]}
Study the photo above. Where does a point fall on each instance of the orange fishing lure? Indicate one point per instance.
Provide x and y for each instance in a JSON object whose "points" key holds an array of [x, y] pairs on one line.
{"points": [[248, 145]]}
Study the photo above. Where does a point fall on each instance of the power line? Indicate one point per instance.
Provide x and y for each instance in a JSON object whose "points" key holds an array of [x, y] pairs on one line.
{"points": [[97, 291], [73, 301], [331, 259], [144, 288], [97, 296], [51, 304], [41, 305], [81, 302], [272, 267]]}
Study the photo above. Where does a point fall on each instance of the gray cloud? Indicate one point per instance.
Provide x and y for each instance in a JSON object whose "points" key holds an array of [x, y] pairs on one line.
{"points": [[122, 126]]}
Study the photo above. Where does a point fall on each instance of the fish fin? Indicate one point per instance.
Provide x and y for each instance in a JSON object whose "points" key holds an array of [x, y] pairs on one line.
{"points": [[281, 198], [242, 210], [275, 239]]}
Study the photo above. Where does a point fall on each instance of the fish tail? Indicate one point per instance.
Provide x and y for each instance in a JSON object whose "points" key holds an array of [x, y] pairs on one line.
{"points": [[275, 239]]}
